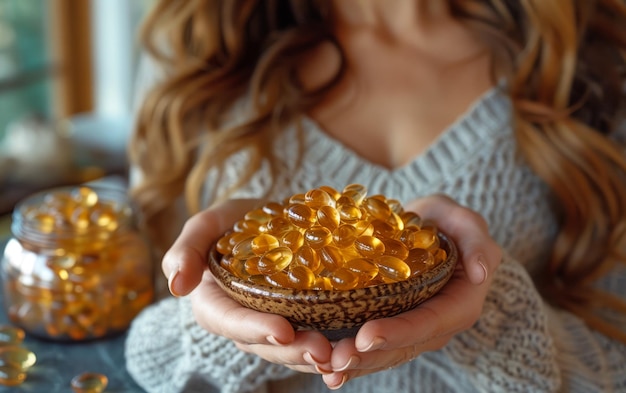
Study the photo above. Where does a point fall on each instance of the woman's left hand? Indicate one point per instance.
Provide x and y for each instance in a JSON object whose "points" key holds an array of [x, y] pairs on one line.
{"points": [[386, 343]]}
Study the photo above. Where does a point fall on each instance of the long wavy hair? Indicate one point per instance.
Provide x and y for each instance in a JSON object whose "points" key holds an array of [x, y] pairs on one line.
{"points": [[564, 62]]}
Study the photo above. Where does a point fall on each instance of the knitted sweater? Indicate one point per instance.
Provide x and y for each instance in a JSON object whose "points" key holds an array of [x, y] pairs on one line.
{"points": [[519, 344]]}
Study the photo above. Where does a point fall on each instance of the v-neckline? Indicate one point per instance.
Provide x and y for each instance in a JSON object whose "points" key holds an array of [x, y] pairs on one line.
{"points": [[485, 116]]}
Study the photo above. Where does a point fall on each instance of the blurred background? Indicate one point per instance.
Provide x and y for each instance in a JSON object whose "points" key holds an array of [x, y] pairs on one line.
{"points": [[66, 86]]}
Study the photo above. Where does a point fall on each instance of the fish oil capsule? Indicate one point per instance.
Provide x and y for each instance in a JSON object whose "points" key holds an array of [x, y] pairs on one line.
{"points": [[278, 279], [318, 236], [274, 209], [301, 277], [377, 208], [307, 256], [251, 266], [234, 265], [369, 246], [395, 248], [364, 268], [425, 239], [11, 376], [363, 228], [17, 357], [104, 216], [85, 196], [223, 245], [89, 383], [248, 226], [440, 255], [258, 215], [383, 229], [11, 335], [419, 260], [331, 191], [393, 268], [296, 199], [322, 283], [278, 225], [80, 217], [243, 249], [411, 219], [395, 206], [331, 258], [356, 192], [343, 279], [317, 198], [275, 260], [292, 239], [395, 222], [328, 216], [407, 236], [349, 212], [301, 215], [263, 243], [344, 236]]}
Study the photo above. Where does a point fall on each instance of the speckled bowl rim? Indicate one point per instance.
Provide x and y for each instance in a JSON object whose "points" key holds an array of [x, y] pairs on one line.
{"points": [[230, 282]]}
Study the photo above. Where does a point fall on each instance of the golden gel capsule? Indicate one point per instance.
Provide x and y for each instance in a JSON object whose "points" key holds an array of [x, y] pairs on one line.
{"points": [[263, 243], [392, 267], [364, 268], [301, 277], [318, 236], [419, 260], [369, 246], [89, 383], [356, 192], [307, 256], [293, 239], [11, 376], [344, 279], [331, 258], [301, 215], [317, 198], [11, 335], [275, 260], [328, 216], [17, 356], [344, 236], [377, 208]]}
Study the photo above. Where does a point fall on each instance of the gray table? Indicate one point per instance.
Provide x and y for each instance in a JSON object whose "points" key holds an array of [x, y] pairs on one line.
{"points": [[57, 363]]}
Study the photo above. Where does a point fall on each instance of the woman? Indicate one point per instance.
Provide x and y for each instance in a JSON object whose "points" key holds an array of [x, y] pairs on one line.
{"points": [[509, 108]]}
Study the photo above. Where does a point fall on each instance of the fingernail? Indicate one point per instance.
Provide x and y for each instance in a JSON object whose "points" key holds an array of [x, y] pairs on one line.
{"points": [[481, 263], [313, 362], [272, 340], [376, 343], [171, 282], [352, 362], [344, 379]]}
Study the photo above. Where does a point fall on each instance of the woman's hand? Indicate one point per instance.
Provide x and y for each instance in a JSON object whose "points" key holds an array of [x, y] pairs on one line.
{"points": [[389, 342], [270, 336]]}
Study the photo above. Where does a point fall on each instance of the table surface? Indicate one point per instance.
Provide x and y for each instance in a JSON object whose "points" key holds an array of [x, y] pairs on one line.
{"points": [[57, 363]]}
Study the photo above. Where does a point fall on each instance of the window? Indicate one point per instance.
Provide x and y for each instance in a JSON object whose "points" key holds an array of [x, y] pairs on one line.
{"points": [[66, 77]]}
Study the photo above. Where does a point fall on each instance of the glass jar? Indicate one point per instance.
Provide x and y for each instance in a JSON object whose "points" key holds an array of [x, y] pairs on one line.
{"points": [[75, 267]]}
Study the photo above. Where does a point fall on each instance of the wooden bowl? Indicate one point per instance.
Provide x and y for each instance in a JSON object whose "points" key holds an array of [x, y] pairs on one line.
{"points": [[337, 314]]}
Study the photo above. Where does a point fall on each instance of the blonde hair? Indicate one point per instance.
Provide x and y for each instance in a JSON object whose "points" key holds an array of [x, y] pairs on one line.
{"points": [[565, 66]]}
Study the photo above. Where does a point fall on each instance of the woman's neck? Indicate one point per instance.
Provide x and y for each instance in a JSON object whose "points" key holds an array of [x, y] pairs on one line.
{"points": [[396, 19]]}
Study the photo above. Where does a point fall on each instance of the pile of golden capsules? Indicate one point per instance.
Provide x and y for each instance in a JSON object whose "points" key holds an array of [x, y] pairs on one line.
{"points": [[329, 240]]}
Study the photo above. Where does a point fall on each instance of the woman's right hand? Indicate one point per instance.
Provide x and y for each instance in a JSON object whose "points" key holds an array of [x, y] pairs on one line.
{"points": [[267, 335]]}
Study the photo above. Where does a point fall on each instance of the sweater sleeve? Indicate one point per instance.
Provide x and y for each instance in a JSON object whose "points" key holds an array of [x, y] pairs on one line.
{"points": [[521, 344], [166, 351]]}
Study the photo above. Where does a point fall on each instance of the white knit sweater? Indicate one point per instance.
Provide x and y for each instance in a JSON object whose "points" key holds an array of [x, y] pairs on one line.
{"points": [[519, 344]]}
